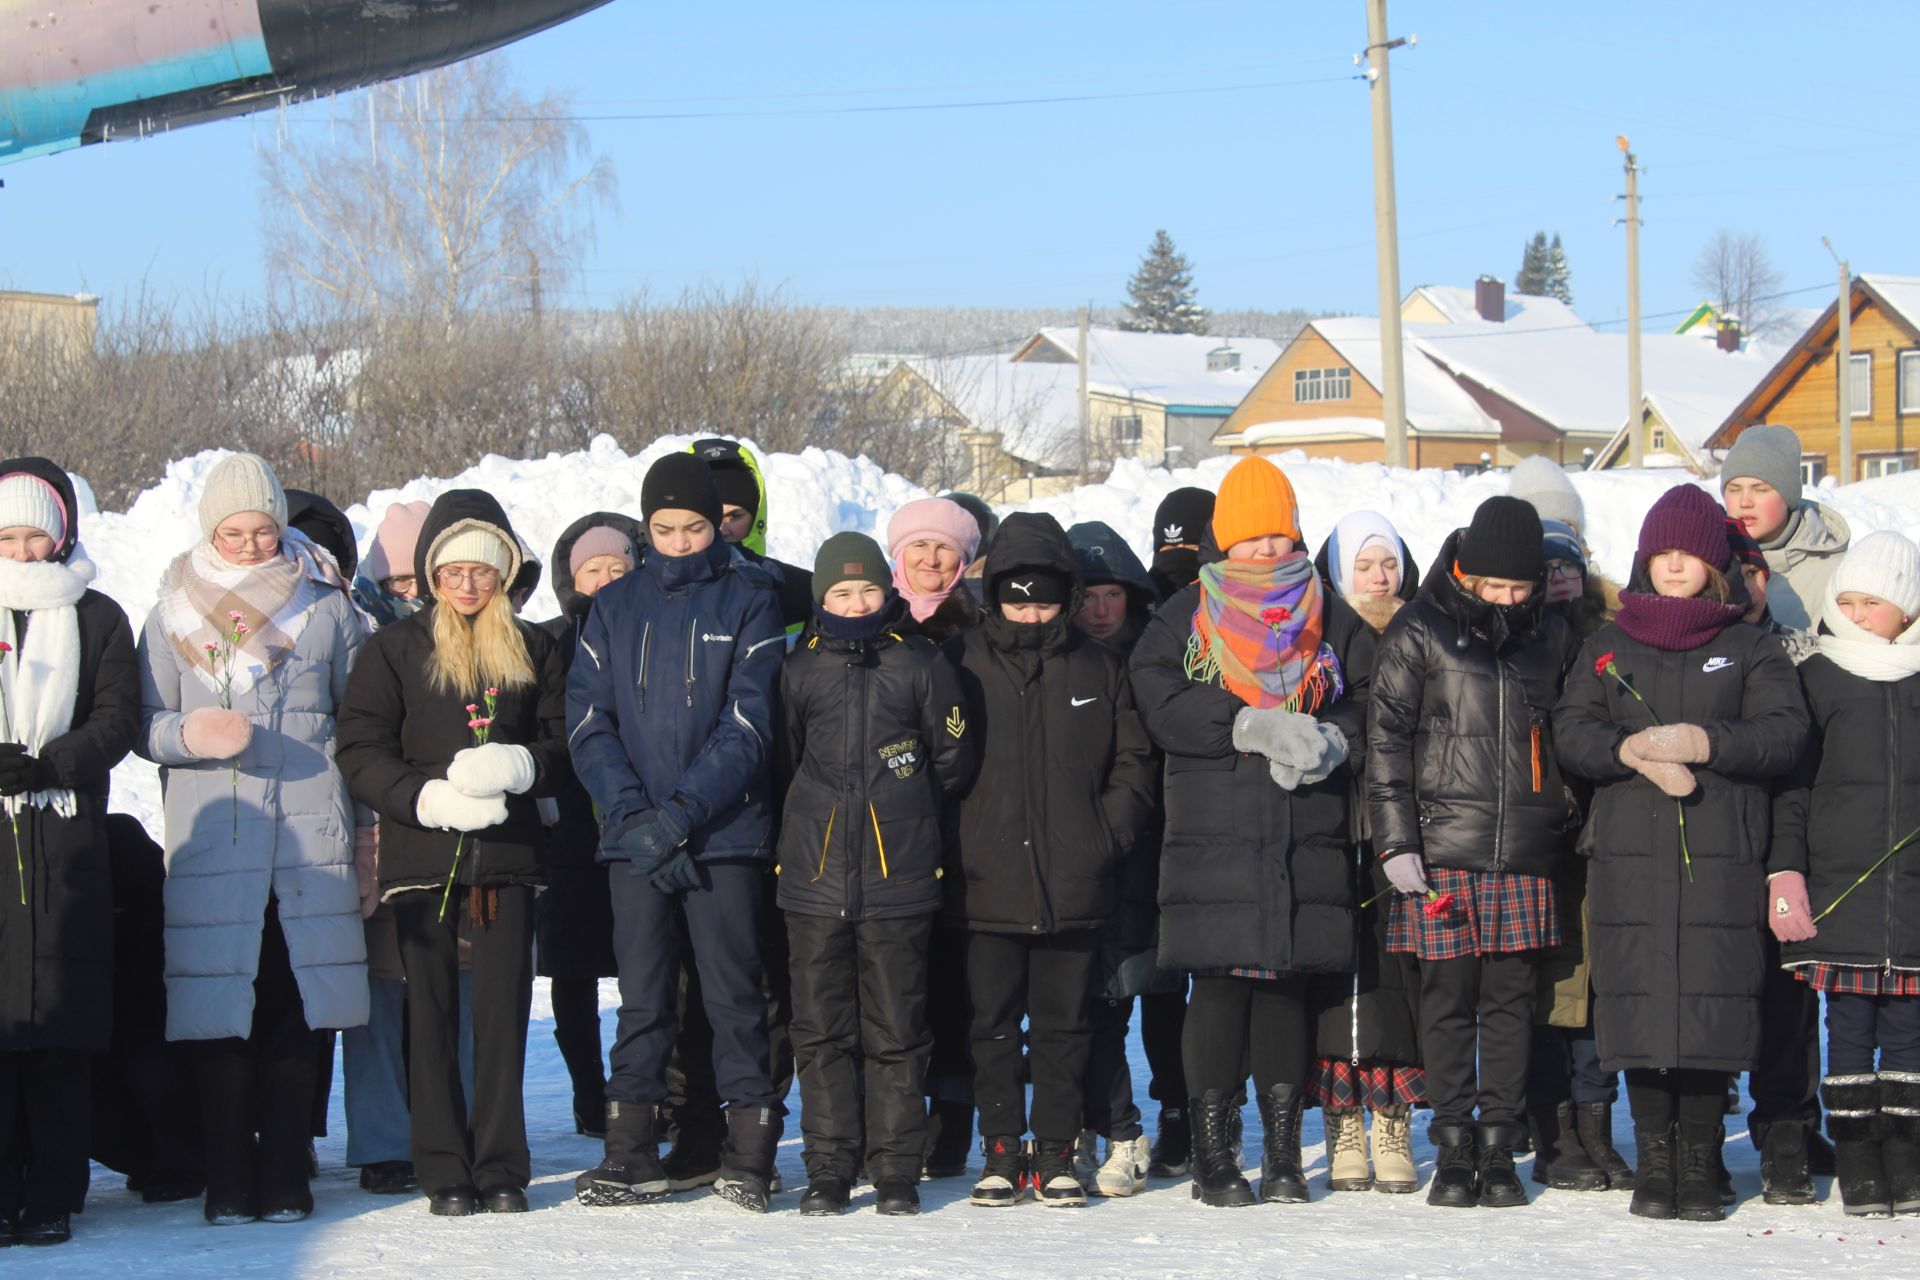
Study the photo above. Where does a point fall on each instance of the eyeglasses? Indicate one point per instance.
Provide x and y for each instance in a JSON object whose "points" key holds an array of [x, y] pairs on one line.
{"points": [[1565, 569], [483, 578], [233, 540], [400, 584]]}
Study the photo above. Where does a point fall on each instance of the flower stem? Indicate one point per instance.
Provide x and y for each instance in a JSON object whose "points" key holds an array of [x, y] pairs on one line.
{"points": [[453, 871], [19, 857], [1864, 875], [1686, 855]]}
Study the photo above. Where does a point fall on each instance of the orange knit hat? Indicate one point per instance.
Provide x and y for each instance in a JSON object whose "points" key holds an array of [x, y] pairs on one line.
{"points": [[1256, 499]]}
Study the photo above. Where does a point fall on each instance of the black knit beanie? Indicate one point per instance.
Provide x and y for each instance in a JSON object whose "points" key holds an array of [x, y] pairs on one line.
{"points": [[849, 557], [680, 482], [1031, 586], [1504, 541], [1182, 517]]}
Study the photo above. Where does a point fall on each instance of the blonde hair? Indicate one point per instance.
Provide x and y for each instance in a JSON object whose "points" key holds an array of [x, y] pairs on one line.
{"points": [[1718, 589], [483, 652]]}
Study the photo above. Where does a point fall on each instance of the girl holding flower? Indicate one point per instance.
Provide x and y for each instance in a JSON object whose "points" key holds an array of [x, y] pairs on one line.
{"points": [[1682, 715]]}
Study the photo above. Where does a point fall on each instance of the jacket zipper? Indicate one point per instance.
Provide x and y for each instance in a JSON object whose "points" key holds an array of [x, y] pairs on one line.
{"points": [[1500, 755], [1359, 862], [646, 643], [691, 628], [825, 840], [1893, 815]]}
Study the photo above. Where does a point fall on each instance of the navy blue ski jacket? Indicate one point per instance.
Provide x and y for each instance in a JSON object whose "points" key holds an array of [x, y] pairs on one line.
{"points": [[671, 700]]}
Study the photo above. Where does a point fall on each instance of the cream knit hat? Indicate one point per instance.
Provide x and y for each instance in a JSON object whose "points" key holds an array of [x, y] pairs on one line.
{"points": [[241, 482], [30, 502]]}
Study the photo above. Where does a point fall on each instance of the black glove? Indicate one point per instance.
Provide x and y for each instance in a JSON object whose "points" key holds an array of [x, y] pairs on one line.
{"points": [[649, 839], [19, 772], [677, 874]]}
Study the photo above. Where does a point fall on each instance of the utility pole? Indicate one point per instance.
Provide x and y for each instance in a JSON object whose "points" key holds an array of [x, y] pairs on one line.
{"points": [[1843, 364], [1386, 235], [1636, 435], [1086, 406]]}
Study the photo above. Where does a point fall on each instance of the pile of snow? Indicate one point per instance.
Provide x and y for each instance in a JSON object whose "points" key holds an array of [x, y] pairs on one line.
{"points": [[816, 493]]}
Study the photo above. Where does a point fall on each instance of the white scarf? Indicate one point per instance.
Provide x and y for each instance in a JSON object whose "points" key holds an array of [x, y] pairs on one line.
{"points": [[41, 676], [275, 621], [1859, 652]]}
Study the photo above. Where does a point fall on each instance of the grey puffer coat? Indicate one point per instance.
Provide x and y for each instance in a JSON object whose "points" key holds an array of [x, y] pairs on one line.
{"points": [[295, 834]]}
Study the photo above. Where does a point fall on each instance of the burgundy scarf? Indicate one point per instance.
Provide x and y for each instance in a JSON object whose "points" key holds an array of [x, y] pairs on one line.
{"points": [[1675, 623]]}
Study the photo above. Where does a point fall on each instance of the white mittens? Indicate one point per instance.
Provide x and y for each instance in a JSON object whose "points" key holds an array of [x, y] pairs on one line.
{"points": [[492, 768], [446, 807]]}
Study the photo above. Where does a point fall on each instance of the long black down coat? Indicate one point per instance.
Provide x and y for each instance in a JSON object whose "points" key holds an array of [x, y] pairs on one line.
{"points": [[1678, 964], [56, 951], [1251, 875], [397, 733], [875, 741], [1066, 775], [1461, 765], [1855, 794]]}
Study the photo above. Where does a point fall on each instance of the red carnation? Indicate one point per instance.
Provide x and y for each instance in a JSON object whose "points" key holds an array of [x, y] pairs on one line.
{"points": [[1276, 615], [1603, 662], [5, 647], [1437, 903]]}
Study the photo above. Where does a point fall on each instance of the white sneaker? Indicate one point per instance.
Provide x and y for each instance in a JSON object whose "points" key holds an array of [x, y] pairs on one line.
{"points": [[1086, 1160], [1125, 1170]]}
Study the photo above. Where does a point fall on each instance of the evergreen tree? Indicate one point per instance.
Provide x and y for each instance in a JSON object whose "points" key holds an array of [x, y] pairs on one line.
{"points": [[1161, 295], [1559, 275], [1532, 277]]}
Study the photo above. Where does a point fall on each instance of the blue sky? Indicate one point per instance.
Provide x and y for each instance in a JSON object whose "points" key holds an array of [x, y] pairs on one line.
{"points": [[1763, 117]]}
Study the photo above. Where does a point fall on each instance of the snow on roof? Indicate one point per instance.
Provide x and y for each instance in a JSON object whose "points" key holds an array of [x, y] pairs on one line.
{"points": [[1901, 292], [1523, 310], [1166, 368], [1435, 403], [1034, 405], [1308, 428]]}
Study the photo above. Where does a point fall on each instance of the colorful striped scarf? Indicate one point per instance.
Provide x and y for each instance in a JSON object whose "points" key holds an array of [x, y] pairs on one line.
{"points": [[1256, 633]]}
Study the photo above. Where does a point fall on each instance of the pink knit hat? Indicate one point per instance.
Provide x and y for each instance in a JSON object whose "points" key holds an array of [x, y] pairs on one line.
{"points": [[934, 518], [393, 543]]}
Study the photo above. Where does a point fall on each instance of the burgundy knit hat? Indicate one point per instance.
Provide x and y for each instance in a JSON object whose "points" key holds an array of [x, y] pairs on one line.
{"points": [[1686, 519], [1745, 550]]}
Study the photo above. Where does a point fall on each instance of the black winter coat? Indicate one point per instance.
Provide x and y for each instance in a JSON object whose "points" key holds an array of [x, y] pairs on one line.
{"points": [[1251, 875], [875, 741], [396, 732], [1462, 768], [1678, 963], [1855, 794], [1066, 777], [56, 951]]}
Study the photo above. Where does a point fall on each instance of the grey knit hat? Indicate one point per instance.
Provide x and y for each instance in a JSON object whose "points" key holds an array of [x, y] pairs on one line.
{"points": [[241, 482], [1771, 454], [1542, 483]]}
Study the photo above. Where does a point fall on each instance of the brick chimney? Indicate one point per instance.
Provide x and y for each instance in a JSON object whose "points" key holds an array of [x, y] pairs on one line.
{"points": [[1490, 299], [1726, 335]]}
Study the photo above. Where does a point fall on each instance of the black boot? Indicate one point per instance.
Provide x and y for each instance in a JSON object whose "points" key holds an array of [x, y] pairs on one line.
{"points": [[1499, 1185], [1281, 1178], [1697, 1171], [895, 1197], [1594, 1123], [746, 1167], [949, 1138], [1003, 1181], [42, 1227], [1900, 1138], [1172, 1146], [826, 1197], [1722, 1176], [1454, 1183], [629, 1172], [1653, 1180], [1784, 1176], [1053, 1180], [694, 1158], [1857, 1127], [1559, 1160], [1216, 1152]]}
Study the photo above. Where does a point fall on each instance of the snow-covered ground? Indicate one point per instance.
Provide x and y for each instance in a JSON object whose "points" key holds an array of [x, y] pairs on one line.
{"points": [[1163, 1232]]}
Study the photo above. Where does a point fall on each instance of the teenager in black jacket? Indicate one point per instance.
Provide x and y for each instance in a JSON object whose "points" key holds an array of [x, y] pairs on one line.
{"points": [[460, 837], [1064, 788], [1852, 801], [1681, 714], [1254, 683], [875, 740]]}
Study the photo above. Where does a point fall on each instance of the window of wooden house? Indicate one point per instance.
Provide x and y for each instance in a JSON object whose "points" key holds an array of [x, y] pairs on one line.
{"points": [[1875, 465], [1861, 368], [1813, 468], [1657, 440], [1311, 386], [1910, 382], [1126, 430]]}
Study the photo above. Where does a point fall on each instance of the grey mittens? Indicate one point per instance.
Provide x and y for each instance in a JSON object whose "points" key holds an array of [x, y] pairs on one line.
{"points": [[1301, 749]]}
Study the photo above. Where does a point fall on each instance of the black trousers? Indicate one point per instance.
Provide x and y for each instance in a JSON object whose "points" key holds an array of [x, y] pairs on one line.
{"points": [[262, 1085], [860, 1026], [448, 1151], [1163, 1017], [1046, 980], [1110, 1109], [576, 1029], [1785, 1081], [693, 1100], [1476, 1026], [1566, 1068], [1857, 1025], [1234, 1024], [950, 1018], [44, 1134], [1660, 1099]]}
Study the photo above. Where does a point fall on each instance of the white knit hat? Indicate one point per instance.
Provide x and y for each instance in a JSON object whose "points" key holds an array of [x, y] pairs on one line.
{"points": [[241, 482], [1884, 564], [30, 502], [1543, 483], [474, 544]]}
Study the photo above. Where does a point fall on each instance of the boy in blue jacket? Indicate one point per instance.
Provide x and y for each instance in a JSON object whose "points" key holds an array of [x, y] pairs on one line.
{"points": [[670, 710]]}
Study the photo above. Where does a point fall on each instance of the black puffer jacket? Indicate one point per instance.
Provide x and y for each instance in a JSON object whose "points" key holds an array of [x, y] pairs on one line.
{"points": [[1854, 796], [875, 742], [1251, 875], [326, 525], [1678, 963], [1066, 777], [397, 733], [1461, 762]]}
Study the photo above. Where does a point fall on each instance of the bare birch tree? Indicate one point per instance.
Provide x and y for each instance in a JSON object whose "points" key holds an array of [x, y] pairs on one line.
{"points": [[1739, 277]]}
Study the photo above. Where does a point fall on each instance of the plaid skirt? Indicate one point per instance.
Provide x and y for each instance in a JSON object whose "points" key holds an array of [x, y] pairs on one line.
{"points": [[1484, 912], [1336, 1082], [1858, 980]]}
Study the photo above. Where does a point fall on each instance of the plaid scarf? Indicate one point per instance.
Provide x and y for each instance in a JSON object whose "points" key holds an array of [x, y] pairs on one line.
{"points": [[1256, 633], [276, 599]]}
